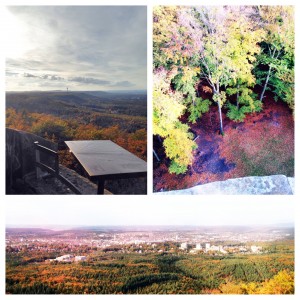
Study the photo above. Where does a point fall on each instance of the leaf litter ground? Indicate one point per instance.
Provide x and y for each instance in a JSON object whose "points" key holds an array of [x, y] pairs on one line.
{"points": [[261, 145]]}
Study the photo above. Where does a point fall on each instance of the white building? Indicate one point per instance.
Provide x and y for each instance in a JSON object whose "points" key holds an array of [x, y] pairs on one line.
{"points": [[255, 249], [196, 249], [198, 246], [183, 246], [80, 258], [243, 249], [214, 248], [207, 246], [65, 258], [223, 251]]}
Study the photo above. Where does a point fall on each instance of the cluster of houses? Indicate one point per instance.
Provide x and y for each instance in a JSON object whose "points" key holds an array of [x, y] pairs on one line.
{"points": [[224, 250], [68, 258], [206, 248]]}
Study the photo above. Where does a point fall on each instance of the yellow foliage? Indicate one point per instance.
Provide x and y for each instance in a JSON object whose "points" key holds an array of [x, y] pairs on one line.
{"points": [[231, 288], [166, 105], [167, 109], [178, 147], [281, 283]]}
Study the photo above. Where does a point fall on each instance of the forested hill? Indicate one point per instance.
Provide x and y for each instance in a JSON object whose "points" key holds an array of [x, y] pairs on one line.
{"points": [[59, 116], [64, 103]]}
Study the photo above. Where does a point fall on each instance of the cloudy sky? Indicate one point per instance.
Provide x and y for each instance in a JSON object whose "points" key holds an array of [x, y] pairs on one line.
{"points": [[79, 47], [129, 211]]}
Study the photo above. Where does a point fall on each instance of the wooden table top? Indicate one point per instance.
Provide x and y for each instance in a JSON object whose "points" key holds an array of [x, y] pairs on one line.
{"points": [[104, 157]]}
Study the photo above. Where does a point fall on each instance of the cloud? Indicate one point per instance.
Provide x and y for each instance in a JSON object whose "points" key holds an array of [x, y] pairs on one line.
{"points": [[82, 80], [29, 75], [124, 84], [89, 80], [9, 73], [82, 44], [51, 77], [43, 76]]}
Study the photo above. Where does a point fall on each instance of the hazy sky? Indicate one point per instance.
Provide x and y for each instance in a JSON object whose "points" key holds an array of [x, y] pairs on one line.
{"points": [[79, 47], [163, 211]]}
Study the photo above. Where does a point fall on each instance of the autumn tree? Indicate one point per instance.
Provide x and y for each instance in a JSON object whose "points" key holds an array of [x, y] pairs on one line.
{"points": [[275, 69], [167, 108], [18, 120], [245, 36], [52, 128], [281, 283], [213, 44], [164, 23], [174, 49]]}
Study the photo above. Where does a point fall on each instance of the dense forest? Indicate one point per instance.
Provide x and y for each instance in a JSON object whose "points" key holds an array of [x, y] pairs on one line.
{"points": [[108, 271], [223, 75], [61, 116]]}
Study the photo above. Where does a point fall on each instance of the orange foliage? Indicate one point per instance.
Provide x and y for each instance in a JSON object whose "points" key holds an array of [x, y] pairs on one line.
{"points": [[56, 129], [206, 89]]}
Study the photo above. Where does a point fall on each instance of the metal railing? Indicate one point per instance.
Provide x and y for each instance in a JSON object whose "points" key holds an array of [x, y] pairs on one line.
{"points": [[53, 171]]}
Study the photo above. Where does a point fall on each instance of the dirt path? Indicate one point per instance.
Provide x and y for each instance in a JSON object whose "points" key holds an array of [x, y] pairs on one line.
{"points": [[261, 145]]}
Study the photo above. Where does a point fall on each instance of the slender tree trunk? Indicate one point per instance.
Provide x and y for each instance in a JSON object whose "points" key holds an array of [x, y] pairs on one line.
{"points": [[156, 156], [269, 73], [221, 120], [159, 138], [266, 83], [216, 91], [220, 109], [237, 97]]}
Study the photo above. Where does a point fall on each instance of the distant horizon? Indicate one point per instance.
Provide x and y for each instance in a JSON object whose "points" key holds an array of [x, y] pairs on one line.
{"points": [[83, 90], [78, 227]]}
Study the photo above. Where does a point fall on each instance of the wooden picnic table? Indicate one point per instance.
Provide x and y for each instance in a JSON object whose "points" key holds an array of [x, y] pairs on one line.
{"points": [[103, 159]]}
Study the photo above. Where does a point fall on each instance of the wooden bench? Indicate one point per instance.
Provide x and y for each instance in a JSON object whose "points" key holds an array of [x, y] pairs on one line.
{"points": [[51, 170]]}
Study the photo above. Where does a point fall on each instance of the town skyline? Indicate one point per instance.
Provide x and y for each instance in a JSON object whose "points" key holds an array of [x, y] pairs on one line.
{"points": [[214, 240]]}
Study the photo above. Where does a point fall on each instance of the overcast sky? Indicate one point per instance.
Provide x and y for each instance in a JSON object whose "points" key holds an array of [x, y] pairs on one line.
{"points": [[127, 210], [79, 47]]}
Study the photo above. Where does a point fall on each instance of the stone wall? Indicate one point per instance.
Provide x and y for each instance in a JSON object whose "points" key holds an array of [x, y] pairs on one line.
{"points": [[20, 165], [20, 155]]}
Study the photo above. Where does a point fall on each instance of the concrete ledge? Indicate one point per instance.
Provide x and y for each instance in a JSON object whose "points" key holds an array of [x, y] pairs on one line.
{"points": [[85, 186], [49, 185], [292, 184], [254, 185]]}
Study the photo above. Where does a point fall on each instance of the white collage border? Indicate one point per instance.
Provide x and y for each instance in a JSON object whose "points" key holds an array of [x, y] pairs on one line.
{"points": [[155, 199]]}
